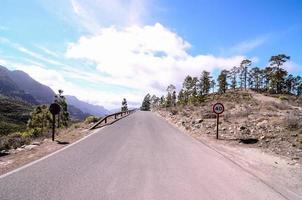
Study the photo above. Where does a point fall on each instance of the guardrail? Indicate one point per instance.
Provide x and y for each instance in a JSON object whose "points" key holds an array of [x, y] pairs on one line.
{"points": [[105, 119]]}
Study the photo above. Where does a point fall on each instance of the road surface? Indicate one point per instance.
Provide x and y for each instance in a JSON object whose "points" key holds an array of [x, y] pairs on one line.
{"points": [[139, 157]]}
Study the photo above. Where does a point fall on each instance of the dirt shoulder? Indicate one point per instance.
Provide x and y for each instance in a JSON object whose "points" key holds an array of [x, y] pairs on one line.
{"points": [[279, 172], [44, 146]]}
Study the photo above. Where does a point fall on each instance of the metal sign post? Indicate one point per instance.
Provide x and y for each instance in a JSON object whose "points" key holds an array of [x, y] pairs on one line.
{"points": [[218, 109], [54, 110]]}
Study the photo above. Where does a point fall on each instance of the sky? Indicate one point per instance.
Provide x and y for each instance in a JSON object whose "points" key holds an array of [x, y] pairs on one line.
{"points": [[102, 51]]}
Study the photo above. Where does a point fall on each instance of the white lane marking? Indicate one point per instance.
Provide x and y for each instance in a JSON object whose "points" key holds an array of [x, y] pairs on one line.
{"points": [[49, 155]]}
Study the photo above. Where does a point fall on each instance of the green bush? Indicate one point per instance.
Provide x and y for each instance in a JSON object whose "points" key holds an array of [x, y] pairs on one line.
{"points": [[91, 119], [283, 98]]}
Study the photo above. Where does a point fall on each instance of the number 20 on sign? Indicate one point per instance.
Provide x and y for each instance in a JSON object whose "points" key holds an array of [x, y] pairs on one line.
{"points": [[218, 109]]}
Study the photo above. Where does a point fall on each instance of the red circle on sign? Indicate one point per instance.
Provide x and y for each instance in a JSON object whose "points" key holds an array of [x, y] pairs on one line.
{"points": [[218, 108]]}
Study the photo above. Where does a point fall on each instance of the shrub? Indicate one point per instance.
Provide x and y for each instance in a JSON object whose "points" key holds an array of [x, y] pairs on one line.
{"points": [[283, 98], [13, 141], [292, 123], [91, 119]]}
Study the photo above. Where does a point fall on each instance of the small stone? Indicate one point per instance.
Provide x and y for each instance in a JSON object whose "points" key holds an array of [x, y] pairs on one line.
{"points": [[36, 143], [198, 121], [30, 147], [242, 128], [262, 137], [197, 126]]}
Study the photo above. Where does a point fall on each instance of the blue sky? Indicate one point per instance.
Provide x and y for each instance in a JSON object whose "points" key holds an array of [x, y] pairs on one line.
{"points": [[104, 50]]}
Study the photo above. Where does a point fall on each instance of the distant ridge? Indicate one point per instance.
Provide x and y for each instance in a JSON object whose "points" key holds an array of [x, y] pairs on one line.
{"points": [[86, 107], [20, 86]]}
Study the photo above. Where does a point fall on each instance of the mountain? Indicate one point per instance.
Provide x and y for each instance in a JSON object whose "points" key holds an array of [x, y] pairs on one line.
{"points": [[42, 93], [86, 107], [77, 114], [10, 88], [17, 85]]}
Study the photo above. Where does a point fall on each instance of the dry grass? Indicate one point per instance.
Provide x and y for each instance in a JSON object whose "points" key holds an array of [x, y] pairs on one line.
{"points": [[273, 106]]}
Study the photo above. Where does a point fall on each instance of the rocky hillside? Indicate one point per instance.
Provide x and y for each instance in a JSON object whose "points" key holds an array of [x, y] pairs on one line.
{"points": [[273, 123]]}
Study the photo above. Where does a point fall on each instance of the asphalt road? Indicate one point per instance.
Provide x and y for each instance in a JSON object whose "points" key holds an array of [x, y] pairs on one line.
{"points": [[139, 157]]}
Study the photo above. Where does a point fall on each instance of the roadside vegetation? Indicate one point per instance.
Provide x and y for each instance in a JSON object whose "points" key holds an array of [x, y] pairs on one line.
{"points": [[263, 106], [21, 123]]}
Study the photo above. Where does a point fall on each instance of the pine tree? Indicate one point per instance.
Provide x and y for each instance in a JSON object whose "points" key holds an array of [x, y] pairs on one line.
{"points": [[194, 97], [244, 72], [297, 86], [233, 75], [155, 101], [162, 101], [181, 97], [205, 82], [278, 73], [222, 81], [255, 75], [146, 103], [289, 83], [213, 83], [169, 100]]}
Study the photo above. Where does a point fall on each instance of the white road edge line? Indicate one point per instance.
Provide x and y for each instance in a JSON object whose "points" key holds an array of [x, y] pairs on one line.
{"points": [[49, 155]]}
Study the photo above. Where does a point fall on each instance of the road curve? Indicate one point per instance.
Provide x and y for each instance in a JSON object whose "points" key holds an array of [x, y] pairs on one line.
{"points": [[139, 157]]}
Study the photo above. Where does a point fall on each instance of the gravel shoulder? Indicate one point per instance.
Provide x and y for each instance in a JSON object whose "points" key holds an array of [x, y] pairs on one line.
{"points": [[282, 173]]}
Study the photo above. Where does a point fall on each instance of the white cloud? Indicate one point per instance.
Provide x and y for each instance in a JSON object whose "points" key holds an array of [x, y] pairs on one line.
{"points": [[94, 14], [48, 51], [147, 58], [246, 46]]}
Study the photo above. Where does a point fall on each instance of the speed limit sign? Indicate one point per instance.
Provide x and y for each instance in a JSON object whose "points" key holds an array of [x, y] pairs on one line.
{"points": [[218, 109]]}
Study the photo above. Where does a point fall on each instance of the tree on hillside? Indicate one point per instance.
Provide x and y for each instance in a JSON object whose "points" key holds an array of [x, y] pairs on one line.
{"points": [[181, 98], [40, 120], [146, 103], [278, 60], [222, 81], [255, 75], [267, 77], [289, 83], [205, 82], [155, 101], [169, 99], [244, 72], [213, 83], [162, 101], [190, 89], [124, 105], [278, 75], [63, 117], [297, 86], [233, 76]]}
